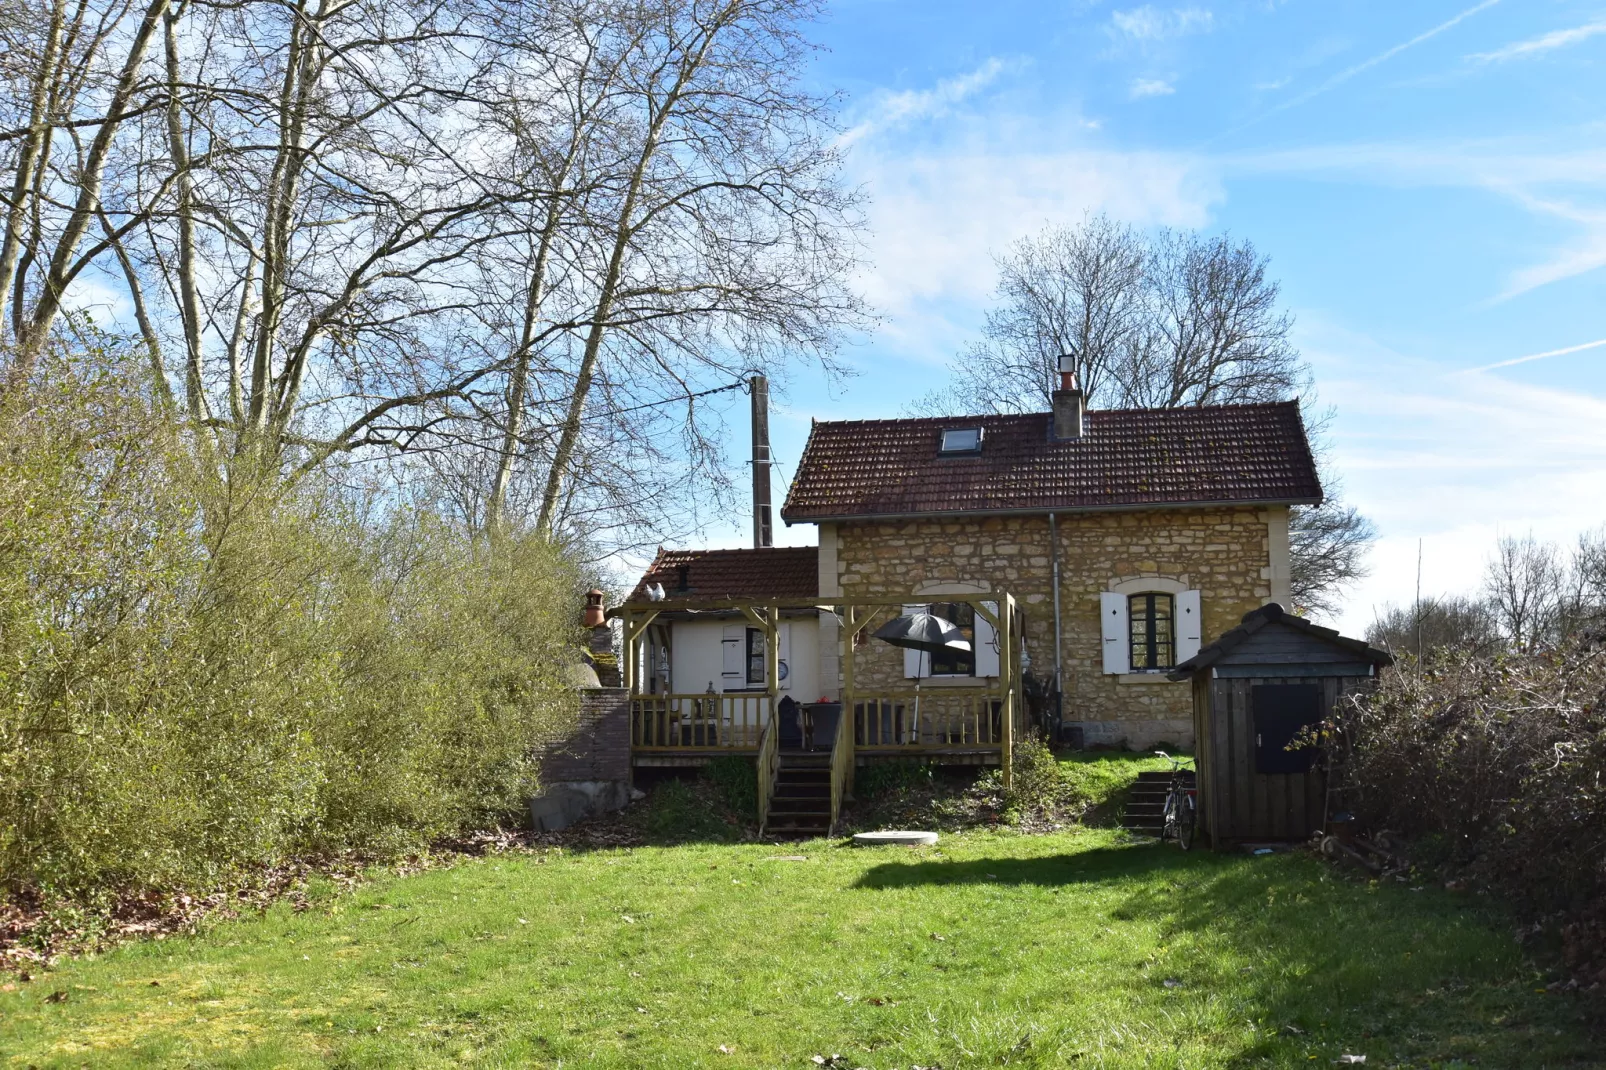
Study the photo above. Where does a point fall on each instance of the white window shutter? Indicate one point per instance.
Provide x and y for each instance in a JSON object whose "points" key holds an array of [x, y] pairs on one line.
{"points": [[1190, 625], [986, 643], [916, 663], [785, 655], [734, 670], [1116, 632]]}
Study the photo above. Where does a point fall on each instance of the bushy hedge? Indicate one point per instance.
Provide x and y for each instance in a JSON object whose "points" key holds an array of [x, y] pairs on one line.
{"points": [[201, 672], [1498, 766]]}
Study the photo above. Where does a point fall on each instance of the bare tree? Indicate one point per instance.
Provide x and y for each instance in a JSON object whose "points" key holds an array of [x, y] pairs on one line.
{"points": [[728, 236], [1326, 548], [1525, 583], [1168, 320], [1454, 621], [1214, 333], [539, 229], [1069, 290]]}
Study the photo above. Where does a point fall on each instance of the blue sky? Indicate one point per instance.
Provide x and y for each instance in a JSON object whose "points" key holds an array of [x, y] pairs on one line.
{"points": [[1429, 180]]}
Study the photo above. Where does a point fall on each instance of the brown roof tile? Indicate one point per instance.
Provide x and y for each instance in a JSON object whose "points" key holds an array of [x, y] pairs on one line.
{"points": [[772, 572], [1127, 458]]}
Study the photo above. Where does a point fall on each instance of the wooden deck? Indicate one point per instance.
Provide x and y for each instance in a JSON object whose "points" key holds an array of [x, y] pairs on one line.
{"points": [[962, 726], [959, 725]]}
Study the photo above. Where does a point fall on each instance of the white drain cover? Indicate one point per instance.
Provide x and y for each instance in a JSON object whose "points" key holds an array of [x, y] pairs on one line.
{"points": [[900, 839]]}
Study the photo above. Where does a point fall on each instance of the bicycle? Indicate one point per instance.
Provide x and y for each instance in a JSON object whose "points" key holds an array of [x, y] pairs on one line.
{"points": [[1180, 815]]}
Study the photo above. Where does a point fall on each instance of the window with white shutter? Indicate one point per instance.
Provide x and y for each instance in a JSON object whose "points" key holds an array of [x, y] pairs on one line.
{"points": [[1115, 632], [1190, 625], [733, 664]]}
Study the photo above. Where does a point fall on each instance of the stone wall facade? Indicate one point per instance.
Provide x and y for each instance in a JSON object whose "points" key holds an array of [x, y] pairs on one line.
{"points": [[1237, 558]]}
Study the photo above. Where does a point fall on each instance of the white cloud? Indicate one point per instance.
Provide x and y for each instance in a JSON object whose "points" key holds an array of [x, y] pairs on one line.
{"points": [[1511, 169], [1148, 23], [1150, 87], [888, 110], [1543, 43], [1454, 459], [939, 216]]}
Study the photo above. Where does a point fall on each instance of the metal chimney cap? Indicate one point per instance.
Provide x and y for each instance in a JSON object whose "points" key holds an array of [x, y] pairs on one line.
{"points": [[1067, 362]]}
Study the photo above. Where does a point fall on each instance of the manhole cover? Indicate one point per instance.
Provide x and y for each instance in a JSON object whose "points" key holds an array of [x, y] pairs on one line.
{"points": [[900, 839]]}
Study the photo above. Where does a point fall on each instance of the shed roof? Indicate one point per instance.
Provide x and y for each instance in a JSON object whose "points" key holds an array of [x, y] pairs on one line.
{"points": [[1127, 458], [768, 572], [1274, 614]]}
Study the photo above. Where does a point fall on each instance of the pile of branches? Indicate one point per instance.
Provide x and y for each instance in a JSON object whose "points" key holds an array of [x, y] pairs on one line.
{"points": [[1495, 768]]}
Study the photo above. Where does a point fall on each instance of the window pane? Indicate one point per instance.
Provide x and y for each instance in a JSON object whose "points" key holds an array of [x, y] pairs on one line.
{"points": [[1153, 634], [1138, 614], [1164, 632], [961, 440], [756, 641]]}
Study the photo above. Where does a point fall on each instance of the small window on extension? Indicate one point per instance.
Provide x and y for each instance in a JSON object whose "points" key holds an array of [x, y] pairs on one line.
{"points": [[960, 440]]}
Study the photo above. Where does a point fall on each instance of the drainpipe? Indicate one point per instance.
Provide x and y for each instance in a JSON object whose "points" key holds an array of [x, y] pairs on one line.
{"points": [[1054, 551]]}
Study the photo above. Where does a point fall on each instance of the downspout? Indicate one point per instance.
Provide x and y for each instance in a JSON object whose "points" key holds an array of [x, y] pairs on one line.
{"points": [[1054, 553]]}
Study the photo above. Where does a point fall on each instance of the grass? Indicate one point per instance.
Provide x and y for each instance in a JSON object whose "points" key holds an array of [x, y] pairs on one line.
{"points": [[1075, 949]]}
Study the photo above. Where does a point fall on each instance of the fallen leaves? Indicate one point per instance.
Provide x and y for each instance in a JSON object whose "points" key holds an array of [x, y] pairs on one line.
{"points": [[58, 996]]}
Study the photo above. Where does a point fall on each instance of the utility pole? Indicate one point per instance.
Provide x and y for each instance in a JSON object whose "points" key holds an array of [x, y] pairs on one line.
{"points": [[1418, 601], [763, 525]]}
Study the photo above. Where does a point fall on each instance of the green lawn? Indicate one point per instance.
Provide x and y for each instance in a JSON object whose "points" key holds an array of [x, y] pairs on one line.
{"points": [[1075, 949]]}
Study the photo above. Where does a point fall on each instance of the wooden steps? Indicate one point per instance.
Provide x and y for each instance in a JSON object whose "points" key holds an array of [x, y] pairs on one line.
{"points": [[801, 805], [1145, 805]]}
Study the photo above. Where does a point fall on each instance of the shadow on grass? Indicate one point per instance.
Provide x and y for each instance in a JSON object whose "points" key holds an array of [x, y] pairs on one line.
{"points": [[1321, 963], [1081, 867]]}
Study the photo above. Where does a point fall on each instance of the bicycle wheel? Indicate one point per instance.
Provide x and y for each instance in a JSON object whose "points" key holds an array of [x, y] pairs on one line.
{"points": [[1185, 822]]}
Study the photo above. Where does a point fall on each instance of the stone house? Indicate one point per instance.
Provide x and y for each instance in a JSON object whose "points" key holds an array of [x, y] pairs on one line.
{"points": [[1127, 538]]}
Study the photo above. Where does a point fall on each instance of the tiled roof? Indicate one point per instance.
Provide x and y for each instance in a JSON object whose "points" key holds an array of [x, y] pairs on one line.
{"points": [[1127, 458], [773, 572], [1273, 613]]}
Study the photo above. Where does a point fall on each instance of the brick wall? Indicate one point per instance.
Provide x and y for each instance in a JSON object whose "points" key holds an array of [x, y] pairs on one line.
{"points": [[1226, 554], [599, 746]]}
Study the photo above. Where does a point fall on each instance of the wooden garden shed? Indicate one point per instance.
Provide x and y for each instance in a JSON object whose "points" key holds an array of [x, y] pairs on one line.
{"points": [[1254, 690]]}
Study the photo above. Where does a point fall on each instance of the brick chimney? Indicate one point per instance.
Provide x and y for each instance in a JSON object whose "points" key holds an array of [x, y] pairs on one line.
{"points": [[1068, 403]]}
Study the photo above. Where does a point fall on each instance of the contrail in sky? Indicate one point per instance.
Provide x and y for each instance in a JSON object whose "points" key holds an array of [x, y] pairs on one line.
{"points": [[1384, 57], [1350, 72], [1540, 356]]}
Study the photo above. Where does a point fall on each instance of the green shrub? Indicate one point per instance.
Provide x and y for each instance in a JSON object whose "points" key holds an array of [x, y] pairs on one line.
{"points": [[893, 777], [677, 811], [736, 780], [204, 670], [1037, 786]]}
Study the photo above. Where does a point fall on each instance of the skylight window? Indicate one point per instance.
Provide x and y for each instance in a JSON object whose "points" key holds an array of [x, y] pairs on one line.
{"points": [[961, 440]]}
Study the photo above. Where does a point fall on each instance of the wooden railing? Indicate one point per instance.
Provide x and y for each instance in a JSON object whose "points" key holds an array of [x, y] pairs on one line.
{"points": [[930, 719], [842, 762], [734, 720], [768, 766]]}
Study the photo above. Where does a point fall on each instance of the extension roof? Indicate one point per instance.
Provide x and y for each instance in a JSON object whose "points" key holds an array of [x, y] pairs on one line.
{"points": [[771, 572], [1126, 459], [1274, 614]]}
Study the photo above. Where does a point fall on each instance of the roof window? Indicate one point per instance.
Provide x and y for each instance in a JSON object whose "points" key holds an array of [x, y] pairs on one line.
{"points": [[960, 440]]}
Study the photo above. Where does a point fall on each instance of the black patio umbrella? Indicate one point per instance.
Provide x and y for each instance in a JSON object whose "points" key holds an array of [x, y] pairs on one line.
{"points": [[923, 631]]}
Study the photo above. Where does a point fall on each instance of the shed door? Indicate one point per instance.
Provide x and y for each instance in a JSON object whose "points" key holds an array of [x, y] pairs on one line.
{"points": [[1281, 710]]}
